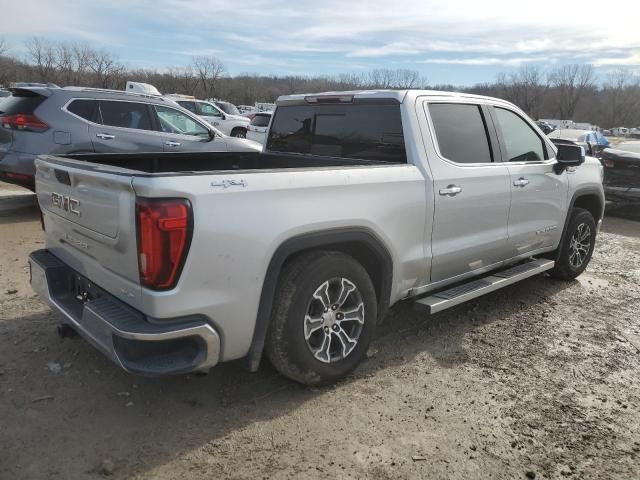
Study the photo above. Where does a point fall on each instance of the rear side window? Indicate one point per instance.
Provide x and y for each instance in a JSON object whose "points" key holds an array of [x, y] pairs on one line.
{"points": [[521, 142], [125, 115], [461, 132], [370, 132], [191, 106], [84, 109], [22, 101], [261, 120]]}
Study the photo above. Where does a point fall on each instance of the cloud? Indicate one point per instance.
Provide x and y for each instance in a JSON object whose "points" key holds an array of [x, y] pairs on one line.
{"points": [[508, 61], [397, 48], [331, 33]]}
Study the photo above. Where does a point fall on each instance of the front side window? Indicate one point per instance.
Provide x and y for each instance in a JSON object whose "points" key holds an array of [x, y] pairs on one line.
{"points": [[461, 132], [175, 122], [125, 115], [370, 132], [209, 110], [521, 142]]}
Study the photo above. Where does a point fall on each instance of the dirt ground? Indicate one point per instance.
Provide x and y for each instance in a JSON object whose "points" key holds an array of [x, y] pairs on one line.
{"points": [[537, 380]]}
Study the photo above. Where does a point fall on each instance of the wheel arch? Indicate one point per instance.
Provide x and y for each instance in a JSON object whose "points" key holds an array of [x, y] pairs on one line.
{"points": [[592, 200], [360, 243]]}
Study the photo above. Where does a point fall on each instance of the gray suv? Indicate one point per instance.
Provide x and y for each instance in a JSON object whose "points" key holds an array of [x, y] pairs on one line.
{"points": [[50, 120]]}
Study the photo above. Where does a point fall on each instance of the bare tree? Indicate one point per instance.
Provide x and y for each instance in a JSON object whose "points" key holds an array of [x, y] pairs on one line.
{"points": [[525, 87], [43, 57], [106, 68], [3, 46], [82, 55], [571, 82], [621, 91], [208, 70]]}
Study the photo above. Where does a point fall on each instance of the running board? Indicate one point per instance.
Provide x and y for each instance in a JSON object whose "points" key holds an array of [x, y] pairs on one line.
{"points": [[451, 297]]}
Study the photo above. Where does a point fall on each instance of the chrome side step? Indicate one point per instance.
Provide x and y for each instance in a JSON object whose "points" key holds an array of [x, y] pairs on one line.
{"points": [[451, 297]]}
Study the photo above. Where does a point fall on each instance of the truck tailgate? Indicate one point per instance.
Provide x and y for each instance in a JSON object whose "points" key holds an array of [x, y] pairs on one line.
{"points": [[89, 218]]}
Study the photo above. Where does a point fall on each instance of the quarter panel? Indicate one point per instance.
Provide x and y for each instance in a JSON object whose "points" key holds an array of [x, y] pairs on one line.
{"points": [[237, 230]]}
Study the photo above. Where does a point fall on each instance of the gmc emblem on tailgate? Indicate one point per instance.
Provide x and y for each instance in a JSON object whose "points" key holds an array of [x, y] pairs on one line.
{"points": [[66, 203]]}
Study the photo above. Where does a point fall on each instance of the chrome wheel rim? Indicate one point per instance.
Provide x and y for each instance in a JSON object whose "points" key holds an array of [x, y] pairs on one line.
{"points": [[333, 321], [580, 245]]}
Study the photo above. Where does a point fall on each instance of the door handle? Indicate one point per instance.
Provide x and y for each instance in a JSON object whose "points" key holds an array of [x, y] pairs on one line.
{"points": [[521, 182], [450, 191], [105, 136], [171, 143]]}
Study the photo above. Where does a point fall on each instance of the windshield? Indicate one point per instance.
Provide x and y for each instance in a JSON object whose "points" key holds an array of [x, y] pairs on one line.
{"points": [[229, 108]]}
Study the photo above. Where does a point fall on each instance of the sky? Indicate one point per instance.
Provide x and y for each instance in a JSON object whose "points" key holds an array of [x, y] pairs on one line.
{"points": [[459, 42]]}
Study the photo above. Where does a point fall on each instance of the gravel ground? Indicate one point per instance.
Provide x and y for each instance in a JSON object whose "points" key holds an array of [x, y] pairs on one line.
{"points": [[537, 380]]}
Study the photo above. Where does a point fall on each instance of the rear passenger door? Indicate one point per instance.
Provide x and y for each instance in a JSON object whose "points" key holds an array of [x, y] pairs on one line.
{"points": [[538, 193], [124, 127], [471, 191]]}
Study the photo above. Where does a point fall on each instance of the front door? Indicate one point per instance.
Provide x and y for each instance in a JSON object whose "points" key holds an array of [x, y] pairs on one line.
{"points": [[471, 191], [538, 194]]}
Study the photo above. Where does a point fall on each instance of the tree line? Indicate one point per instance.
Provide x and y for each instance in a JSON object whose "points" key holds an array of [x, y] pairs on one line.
{"points": [[573, 92]]}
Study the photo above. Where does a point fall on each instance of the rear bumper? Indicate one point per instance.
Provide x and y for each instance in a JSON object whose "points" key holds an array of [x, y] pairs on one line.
{"points": [[137, 343]]}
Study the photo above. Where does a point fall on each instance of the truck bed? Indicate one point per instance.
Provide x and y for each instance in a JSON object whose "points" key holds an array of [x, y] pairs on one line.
{"points": [[186, 163]]}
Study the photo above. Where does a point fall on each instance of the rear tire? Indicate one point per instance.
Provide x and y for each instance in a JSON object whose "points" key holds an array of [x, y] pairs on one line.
{"points": [[323, 319], [577, 245]]}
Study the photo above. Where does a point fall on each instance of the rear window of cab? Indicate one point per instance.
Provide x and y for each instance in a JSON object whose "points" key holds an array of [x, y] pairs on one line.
{"points": [[357, 131]]}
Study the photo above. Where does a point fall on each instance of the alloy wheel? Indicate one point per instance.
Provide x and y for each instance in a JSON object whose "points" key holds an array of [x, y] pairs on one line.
{"points": [[580, 245], [334, 320]]}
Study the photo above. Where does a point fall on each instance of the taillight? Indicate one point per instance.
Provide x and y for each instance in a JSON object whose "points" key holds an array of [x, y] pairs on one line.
{"points": [[608, 163], [24, 122], [164, 234]]}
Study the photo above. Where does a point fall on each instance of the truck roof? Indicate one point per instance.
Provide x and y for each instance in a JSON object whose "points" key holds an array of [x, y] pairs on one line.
{"points": [[397, 95]]}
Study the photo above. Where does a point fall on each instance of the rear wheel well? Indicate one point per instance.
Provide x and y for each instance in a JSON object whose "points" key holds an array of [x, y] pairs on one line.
{"points": [[591, 203], [357, 242], [366, 256]]}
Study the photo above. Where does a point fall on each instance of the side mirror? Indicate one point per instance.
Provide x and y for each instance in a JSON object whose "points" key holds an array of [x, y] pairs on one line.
{"points": [[569, 156], [224, 117], [212, 135]]}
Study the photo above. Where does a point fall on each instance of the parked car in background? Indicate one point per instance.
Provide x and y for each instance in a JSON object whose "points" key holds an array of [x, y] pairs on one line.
{"points": [[232, 125], [620, 131], [593, 142], [52, 120], [622, 171], [545, 127], [606, 133], [245, 109], [257, 129], [634, 132], [4, 93]]}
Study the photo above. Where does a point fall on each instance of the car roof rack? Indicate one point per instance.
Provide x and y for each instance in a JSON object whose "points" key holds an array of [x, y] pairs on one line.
{"points": [[117, 92]]}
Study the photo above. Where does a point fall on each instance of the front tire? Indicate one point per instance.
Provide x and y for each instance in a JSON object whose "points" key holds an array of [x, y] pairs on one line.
{"points": [[323, 319], [577, 245]]}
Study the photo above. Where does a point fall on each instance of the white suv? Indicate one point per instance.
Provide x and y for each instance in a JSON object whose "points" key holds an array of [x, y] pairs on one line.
{"points": [[233, 125]]}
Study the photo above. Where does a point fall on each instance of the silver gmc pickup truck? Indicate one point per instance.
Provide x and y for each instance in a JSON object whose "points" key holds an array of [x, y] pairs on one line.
{"points": [[172, 262]]}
